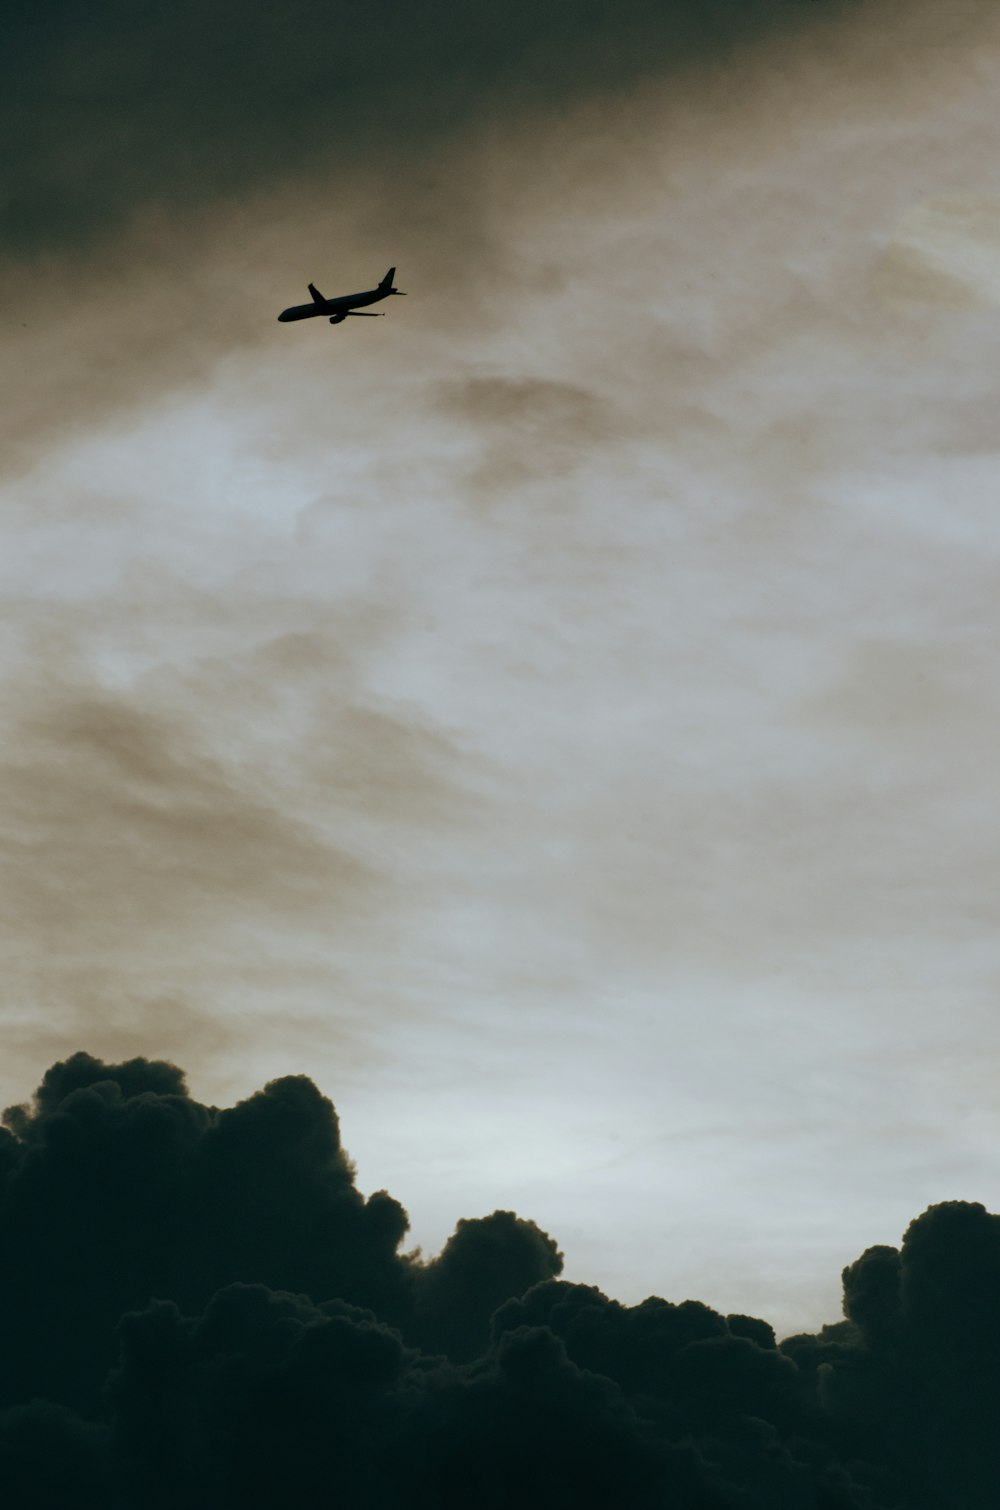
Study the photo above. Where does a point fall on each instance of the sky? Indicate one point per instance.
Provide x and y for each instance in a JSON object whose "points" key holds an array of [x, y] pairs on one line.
{"points": [[560, 720]]}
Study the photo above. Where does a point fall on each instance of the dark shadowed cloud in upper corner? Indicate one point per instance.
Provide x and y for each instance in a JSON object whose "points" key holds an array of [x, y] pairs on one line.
{"points": [[118, 107]]}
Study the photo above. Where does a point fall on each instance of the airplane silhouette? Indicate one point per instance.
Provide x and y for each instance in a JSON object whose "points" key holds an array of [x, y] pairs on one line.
{"points": [[338, 309]]}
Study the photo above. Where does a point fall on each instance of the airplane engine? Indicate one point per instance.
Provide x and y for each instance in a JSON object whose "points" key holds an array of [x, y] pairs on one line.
{"points": [[336, 319]]}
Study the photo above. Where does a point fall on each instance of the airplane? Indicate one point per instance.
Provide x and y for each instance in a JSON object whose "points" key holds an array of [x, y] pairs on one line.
{"points": [[338, 309]]}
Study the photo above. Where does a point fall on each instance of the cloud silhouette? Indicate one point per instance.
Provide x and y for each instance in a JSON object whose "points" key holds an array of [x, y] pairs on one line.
{"points": [[199, 1307]]}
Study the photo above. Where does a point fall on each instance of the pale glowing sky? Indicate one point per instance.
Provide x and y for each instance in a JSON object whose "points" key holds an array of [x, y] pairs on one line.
{"points": [[563, 719]]}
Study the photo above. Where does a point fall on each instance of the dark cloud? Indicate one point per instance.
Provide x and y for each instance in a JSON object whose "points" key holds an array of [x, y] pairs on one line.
{"points": [[165, 1197], [482, 1264], [117, 107], [323, 1404], [199, 1307], [169, 1198], [50, 1458]]}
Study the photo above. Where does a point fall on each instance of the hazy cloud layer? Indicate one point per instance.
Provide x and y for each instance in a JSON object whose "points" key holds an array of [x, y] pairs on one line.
{"points": [[566, 710]]}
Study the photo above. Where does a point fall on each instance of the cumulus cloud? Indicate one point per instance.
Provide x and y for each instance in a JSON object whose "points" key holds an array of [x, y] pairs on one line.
{"points": [[200, 1307]]}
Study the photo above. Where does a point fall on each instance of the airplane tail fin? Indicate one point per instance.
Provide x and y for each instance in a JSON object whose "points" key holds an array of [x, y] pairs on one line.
{"points": [[387, 280], [317, 296]]}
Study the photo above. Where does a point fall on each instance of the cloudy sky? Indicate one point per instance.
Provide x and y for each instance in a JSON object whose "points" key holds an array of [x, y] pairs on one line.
{"points": [[562, 720]]}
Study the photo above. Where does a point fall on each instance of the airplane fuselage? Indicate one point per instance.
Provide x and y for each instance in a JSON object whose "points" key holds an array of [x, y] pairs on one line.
{"points": [[339, 306]]}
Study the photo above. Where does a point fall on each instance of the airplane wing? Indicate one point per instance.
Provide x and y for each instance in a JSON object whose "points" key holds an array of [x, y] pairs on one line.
{"points": [[317, 296], [367, 314]]}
